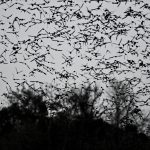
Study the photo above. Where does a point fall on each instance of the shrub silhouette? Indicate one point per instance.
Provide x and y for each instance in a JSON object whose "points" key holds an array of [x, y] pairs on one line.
{"points": [[25, 119], [24, 125], [123, 105]]}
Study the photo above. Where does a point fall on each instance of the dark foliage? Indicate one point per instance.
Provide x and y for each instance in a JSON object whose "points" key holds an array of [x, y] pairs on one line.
{"points": [[25, 126]]}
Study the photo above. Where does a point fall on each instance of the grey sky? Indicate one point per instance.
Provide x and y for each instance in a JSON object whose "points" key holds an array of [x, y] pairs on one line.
{"points": [[68, 42]]}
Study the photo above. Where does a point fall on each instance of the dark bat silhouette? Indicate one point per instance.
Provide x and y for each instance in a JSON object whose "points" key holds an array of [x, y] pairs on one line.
{"points": [[91, 33]]}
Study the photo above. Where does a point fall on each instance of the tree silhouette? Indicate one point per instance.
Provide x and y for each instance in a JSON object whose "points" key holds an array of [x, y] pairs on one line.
{"points": [[77, 102], [29, 100], [27, 106], [75, 124], [123, 104], [69, 41], [83, 101], [24, 122]]}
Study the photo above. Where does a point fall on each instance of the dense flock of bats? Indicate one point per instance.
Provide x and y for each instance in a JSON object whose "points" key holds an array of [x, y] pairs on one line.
{"points": [[52, 37]]}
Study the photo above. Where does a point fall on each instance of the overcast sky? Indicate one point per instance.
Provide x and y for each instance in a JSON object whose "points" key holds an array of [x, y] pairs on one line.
{"points": [[34, 35]]}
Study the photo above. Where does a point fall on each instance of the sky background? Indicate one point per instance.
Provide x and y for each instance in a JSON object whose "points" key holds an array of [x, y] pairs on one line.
{"points": [[63, 42]]}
